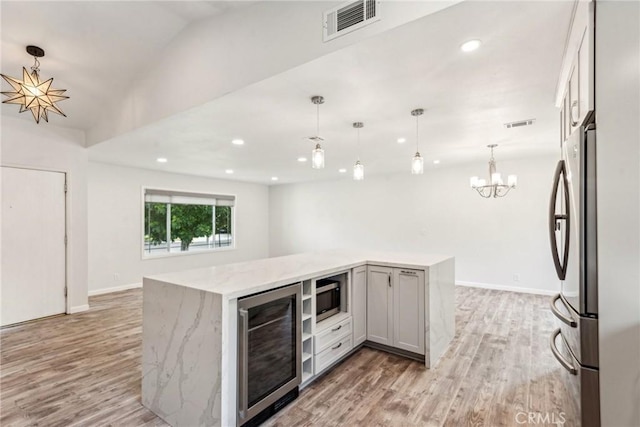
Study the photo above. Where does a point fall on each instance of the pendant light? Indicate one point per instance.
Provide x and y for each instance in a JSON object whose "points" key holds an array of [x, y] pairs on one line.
{"points": [[358, 168], [417, 163], [317, 154], [33, 94]]}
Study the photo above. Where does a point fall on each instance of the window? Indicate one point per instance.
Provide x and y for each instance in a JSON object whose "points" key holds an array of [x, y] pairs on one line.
{"points": [[180, 222]]}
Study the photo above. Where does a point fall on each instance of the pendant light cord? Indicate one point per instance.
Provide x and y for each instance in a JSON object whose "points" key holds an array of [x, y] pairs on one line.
{"points": [[317, 119], [417, 148], [358, 155]]}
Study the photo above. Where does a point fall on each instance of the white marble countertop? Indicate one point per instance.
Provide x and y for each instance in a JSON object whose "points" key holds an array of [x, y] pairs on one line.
{"points": [[246, 278]]}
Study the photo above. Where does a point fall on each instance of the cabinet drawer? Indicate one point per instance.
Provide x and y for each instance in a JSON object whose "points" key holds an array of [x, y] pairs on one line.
{"points": [[332, 354], [329, 336]]}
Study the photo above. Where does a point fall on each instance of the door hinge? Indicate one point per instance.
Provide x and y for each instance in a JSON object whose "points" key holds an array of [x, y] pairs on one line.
{"points": [[65, 291], [389, 276], [65, 239], [65, 187]]}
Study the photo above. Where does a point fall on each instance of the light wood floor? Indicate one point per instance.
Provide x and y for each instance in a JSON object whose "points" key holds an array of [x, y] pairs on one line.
{"points": [[84, 369]]}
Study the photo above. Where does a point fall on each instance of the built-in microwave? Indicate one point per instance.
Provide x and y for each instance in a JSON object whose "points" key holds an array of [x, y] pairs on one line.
{"points": [[327, 299]]}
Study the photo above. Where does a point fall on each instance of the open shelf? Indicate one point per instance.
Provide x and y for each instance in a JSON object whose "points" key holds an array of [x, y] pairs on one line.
{"points": [[306, 316], [306, 336], [306, 356]]}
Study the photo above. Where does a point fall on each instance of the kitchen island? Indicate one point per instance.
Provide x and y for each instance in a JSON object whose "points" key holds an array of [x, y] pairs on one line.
{"points": [[190, 323]]}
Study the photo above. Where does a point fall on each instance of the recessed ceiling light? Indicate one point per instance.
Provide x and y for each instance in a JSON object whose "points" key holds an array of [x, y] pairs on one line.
{"points": [[302, 159], [342, 170], [238, 142], [161, 160], [274, 178], [402, 140], [436, 162], [470, 46], [229, 171]]}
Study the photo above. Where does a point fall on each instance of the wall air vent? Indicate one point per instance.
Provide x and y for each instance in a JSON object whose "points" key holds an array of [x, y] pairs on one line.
{"points": [[349, 17], [520, 123]]}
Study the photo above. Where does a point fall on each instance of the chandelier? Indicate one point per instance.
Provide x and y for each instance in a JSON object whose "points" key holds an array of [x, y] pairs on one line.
{"points": [[31, 93], [496, 187]]}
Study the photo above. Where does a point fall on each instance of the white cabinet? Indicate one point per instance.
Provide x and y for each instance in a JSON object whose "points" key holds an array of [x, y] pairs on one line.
{"points": [[395, 307], [333, 342], [359, 304], [408, 310], [379, 305], [575, 96]]}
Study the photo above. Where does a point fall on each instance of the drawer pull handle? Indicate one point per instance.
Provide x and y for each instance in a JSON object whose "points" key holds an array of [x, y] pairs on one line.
{"points": [[336, 347], [337, 329]]}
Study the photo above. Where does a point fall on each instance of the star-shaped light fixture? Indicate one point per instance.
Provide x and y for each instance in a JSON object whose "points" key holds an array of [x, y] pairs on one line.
{"points": [[31, 93]]}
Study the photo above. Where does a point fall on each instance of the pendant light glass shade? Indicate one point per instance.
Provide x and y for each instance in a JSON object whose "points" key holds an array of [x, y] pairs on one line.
{"points": [[417, 164], [358, 171], [317, 157]]}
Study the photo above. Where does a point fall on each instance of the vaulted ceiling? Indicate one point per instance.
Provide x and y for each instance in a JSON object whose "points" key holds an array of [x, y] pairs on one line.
{"points": [[377, 80]]}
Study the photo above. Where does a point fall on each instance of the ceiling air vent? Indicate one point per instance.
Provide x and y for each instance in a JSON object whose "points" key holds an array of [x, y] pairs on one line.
{"points": [[349, 17], [520, 123]]}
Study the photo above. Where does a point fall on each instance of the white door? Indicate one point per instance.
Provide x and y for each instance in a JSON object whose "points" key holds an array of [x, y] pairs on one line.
{"points": [[379, 305], [408, 309], [33, 247], [359, 304]]}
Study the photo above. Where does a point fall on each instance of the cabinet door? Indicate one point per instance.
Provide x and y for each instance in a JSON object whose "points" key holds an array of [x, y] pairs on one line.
{"points": [[359, 304], [562, 124], [408, 309], [379, 305], [574, 96], [567, 119], [586, 74]]}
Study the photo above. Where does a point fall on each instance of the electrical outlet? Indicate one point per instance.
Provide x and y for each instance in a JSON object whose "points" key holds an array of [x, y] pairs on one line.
{"points": [[116, 277], [516, 278]]}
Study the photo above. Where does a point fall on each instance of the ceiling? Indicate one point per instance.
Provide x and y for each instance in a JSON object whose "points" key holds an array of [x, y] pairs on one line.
{"points": [[94, 49], [466, 96]]}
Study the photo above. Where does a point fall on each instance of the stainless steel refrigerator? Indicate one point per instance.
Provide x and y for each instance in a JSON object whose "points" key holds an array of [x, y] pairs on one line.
{"points": [[572, 232]]}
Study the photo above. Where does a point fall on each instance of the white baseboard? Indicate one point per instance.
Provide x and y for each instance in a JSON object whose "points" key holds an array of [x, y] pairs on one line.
{"points": [[115, 289], [506, 288], [78, 309]]}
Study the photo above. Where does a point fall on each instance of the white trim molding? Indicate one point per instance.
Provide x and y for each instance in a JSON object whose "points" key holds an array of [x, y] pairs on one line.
{"points": [[115, 289], [78, 309], [507, 288]]}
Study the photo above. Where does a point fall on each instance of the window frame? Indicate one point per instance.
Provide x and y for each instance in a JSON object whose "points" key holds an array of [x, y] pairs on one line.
{"points": [[146, 256]]}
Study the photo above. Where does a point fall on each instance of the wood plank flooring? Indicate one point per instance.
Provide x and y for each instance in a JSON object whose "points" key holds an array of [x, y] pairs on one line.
{"points": [[84, 370]]}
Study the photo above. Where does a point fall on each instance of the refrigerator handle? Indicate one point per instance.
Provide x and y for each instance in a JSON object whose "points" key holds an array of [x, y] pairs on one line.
{"points": [[564, 362], [560, 265], [566, 319]]}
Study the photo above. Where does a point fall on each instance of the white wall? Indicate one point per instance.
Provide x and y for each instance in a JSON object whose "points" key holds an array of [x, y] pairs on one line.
{"points": [[45, 146], [618, 148], [492, 239], [115, 224]]}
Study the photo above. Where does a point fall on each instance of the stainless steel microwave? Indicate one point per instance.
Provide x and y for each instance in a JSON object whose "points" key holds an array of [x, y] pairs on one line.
{"points": [[327, 299]]}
